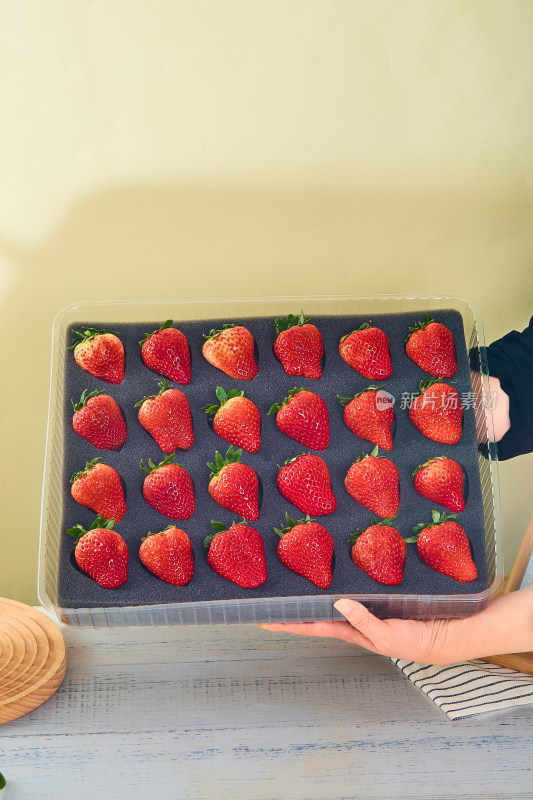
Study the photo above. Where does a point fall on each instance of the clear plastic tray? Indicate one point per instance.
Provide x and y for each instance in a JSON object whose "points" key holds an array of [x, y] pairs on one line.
{"points": [[271, 609]]}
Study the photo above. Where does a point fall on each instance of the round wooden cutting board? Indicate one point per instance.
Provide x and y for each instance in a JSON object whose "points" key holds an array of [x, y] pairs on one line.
{"points": [[32, 659]]}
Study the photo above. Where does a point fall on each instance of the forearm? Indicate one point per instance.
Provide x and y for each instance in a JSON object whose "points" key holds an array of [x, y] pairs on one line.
{"points": [[505, 626]]}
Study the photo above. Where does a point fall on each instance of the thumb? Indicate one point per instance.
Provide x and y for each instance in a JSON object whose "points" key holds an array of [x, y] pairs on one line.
{"points": [[366, 626]]}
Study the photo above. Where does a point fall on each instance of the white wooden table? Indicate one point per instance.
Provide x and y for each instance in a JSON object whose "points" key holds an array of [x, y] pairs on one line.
{"points": [[238, 712]]}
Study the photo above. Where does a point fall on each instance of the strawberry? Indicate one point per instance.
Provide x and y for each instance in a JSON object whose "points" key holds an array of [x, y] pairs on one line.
{"points": [[306, 548], [303, 416], [299, 346], [437, 412], [430, 345], [169, 489], [98, 487], [101, 353], [237, 553], [441, 480], [380, 552], [101, 553], [364, 418], [168, 555], [305, 482], [236, 419], [367, 351], [373, 481], [232, 351], [166, 351], [234, 485], [443, 545], [99, 420], [167, 417]]}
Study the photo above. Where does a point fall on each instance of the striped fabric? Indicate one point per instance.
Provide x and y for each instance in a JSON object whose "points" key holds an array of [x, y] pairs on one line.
{"points": [[471, 688]]}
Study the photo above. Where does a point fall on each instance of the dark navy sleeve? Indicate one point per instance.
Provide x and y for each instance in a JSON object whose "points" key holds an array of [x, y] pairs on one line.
{"points": [[511, 360]]}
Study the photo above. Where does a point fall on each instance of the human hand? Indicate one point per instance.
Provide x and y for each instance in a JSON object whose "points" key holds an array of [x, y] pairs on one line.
{"points": [[427, 641]]}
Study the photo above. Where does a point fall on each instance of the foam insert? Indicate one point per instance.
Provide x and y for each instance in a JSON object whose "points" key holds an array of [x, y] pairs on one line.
{"points": [[271, 385]]}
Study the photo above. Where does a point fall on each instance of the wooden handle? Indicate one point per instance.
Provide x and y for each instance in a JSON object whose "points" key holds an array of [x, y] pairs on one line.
{"points": [[523, 662]]}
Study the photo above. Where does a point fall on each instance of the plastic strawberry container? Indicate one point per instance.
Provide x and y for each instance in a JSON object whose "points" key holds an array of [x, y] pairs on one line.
{"points": [[285, 597]]}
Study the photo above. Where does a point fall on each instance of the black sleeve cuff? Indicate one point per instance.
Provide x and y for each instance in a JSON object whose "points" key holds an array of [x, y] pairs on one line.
{"points": [[511, 360]]}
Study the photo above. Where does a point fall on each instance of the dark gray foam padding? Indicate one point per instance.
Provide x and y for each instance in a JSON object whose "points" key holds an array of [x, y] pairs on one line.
{"points": [[411, 448]]}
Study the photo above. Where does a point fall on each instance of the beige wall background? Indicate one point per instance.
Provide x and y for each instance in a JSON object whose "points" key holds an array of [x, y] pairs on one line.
{"points": [[173, 148]]}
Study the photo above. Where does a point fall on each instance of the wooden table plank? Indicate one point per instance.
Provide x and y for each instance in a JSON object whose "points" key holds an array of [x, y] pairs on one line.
{"points": [[236, 712]]}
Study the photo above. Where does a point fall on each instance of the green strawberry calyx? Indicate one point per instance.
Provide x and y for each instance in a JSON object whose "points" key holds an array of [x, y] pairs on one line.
{"points": [[419, 326], [284, 323], [85, 335], [373, 523], [436, 519], [89, 465], [167, 324], [292, 460], [426, 384], [220, 528], [276, 407], [169, 459], [85, 397], [157, 533], [362, 327], [232, 457], [427, 463], [290, 523], [163, 387], [213, 333], [100, 522], [373, 454], [223, 398], [345, 400], [3, 782]]}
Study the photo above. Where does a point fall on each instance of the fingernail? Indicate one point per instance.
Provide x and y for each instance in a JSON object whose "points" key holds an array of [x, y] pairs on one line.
{"points": [[343, 606]]}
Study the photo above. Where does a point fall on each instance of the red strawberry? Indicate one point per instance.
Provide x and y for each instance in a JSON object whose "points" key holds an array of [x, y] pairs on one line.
{"points": [[367, 420], [430, 345], [303, 416], [232, 351], [441, 480], [166, 351], [299, 346], [305, 481], [373, 481], [236, 419], [306, 548], [380, 552], [98, 487], [98, 419], [167, 417], [102, 553], [367, 351], [168, 555], [101, 353], [169, 489], [444, 546], [238, 554], [233, 485], [437, 412]]}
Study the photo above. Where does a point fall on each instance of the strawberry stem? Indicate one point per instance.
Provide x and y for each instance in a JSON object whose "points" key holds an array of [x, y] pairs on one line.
{"points": [[427, 463], [290, 523], [164, 325], [214, 333], [100, 522], [276, 407], [223, 398], [153, 466], [232, 457], [346, 400], [284, 323], [163, 387], [373, 523], [89, 465], [85, 397], [437, 518], [419, 326], [85, 335]]}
